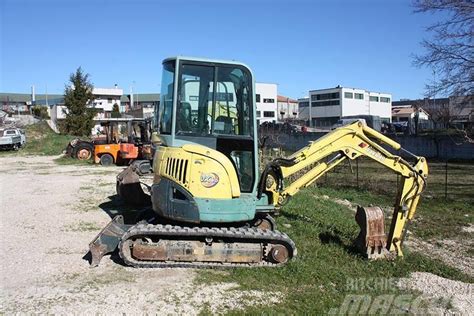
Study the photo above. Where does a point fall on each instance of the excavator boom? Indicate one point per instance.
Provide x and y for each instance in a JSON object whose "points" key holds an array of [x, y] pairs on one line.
{"points": [[351, 142]]}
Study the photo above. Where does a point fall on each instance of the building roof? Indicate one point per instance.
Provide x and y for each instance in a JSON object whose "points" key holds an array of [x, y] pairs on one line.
{"points": [[405, 111], [147, 97], [339, 87], [58, 98], [141, 97], [425, 101], [282, 98], [26, 97]]}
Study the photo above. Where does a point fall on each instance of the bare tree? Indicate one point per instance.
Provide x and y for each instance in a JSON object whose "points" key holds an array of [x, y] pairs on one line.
{"points": [[450, 50]]}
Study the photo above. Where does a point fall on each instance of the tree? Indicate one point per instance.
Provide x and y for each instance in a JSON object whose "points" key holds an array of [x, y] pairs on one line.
{"points": [[79, 118], [115, 111], [449, 53], [40, 112]]}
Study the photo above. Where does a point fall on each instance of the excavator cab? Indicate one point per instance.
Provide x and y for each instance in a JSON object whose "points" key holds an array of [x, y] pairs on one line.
{"points": [[206, 126]]}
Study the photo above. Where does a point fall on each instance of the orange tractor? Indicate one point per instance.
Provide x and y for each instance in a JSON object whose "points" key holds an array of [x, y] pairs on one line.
{"points": [[125, 140], [119, 141]]}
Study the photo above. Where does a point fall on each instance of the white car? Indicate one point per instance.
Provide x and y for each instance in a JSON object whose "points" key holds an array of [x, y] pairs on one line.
{"points": [[12, 138]]}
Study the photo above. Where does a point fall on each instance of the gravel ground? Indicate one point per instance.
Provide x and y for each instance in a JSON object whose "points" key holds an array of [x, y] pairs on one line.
{"points": [[49, 214], [447, 297]]}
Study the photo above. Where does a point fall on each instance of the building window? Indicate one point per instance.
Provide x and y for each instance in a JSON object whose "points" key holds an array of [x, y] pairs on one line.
{"points": [[374, 99], [325, 103], [325, 122], [268, 100], [109, 100], [268, 114], [348, 95], [304, 104], [325, 96], [258, 97], [259, 113], [358, 96], [384, 99]]}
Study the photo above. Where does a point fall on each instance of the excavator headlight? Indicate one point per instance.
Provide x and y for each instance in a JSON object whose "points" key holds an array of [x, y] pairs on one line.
{"points": [[363, 145]]}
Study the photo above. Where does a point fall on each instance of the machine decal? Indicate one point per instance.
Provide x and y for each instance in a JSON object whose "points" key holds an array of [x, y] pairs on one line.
{"points": [[208, 180], [377, 155]]}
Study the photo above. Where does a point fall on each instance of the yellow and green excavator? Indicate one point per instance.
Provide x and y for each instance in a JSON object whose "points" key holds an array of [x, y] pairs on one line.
{"points": [[211, 206]]}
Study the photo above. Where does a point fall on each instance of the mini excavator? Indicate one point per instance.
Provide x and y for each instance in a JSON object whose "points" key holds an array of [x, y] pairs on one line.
{"points": [[211, 205]]}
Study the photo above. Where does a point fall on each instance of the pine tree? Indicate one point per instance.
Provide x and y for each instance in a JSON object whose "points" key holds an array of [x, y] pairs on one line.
{"points": [[115, 111], [79, 118]]}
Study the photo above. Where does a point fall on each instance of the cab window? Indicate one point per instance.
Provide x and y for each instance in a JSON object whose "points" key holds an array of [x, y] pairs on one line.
{"points": [[214, 100]]}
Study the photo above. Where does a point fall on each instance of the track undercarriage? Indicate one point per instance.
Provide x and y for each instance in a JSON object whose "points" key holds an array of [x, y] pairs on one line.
{"points": [[146, 245]]}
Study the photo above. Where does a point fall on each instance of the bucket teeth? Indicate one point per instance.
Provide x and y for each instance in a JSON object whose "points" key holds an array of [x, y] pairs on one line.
{"points": [[371, 240]]}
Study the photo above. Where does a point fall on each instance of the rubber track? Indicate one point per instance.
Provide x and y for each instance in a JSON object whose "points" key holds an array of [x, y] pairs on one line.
{"points": [[234, 234]]}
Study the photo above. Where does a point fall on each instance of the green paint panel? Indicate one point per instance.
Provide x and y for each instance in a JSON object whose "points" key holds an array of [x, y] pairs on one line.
{"points": [[226, 210]]}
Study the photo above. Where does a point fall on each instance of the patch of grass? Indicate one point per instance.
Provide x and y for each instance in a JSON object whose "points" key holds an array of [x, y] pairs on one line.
{"points": [[319, 278], [83, 227], [377, 178], [440, 219], [42, 140], [66, 161], [78, 282], [436, 218]]}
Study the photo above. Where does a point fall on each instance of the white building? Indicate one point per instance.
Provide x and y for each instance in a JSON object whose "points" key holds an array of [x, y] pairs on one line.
{"points": [[406, 113], [329, 105], [266, 101], [105, 98], [287, 108]]}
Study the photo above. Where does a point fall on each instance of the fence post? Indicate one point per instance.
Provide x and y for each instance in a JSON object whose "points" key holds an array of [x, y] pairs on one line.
{"points": [[446, 179], [357, 172]]}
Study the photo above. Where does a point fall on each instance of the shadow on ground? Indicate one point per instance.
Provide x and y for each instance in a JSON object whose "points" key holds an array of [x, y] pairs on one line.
{"points": [[116, 206], [330, 237]]}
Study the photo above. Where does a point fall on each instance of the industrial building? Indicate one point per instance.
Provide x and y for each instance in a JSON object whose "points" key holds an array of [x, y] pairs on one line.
{"points": [[329, 105], [266, 102]]}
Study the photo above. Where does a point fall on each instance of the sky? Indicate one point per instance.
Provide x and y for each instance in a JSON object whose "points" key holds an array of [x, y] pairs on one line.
{"points": [[300, 45]]}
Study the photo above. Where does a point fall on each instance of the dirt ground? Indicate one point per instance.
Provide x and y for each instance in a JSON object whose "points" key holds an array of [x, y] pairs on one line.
{"points": [[49, 214]]}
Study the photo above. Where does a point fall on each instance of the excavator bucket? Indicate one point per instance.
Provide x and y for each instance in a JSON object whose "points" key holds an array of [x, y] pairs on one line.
{"points": [[371, 240], [129, 187]]}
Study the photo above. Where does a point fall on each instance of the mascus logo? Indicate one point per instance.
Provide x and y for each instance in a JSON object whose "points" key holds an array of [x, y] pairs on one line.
{"points": [[209, 180]]}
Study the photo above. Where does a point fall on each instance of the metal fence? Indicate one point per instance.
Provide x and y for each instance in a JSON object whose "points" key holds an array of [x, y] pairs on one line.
{"points": [[448, 180]]}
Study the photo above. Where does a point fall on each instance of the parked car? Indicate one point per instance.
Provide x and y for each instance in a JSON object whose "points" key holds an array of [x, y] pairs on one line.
{"points": [[373, 121], [346, 121], [12, 138]]}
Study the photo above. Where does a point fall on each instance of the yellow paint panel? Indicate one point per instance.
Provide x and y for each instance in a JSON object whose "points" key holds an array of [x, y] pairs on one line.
{"points": [[198, 169]]}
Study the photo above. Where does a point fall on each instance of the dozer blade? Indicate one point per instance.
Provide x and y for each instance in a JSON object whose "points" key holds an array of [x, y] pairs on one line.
{"points": [[371, 240], [107, 240], [129, 187]]}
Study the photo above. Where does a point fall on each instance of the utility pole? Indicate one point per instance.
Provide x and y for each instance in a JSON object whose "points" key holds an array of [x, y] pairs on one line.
{"points": [[310, 116], [131, 97], [288, 107]]}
